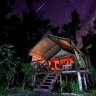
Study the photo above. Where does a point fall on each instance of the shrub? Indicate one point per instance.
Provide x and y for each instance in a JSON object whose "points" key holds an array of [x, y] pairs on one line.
{"points": [[93, 92], [74, 87], [93, 76], [4, 91], [27, 70], [8, 64]]}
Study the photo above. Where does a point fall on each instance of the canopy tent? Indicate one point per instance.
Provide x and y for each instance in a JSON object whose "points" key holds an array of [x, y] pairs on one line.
{"points": [[50, 48], [50, 45]]}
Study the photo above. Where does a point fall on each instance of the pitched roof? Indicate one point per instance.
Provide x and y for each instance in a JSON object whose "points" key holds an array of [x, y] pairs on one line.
{"points": [[50, 45]]}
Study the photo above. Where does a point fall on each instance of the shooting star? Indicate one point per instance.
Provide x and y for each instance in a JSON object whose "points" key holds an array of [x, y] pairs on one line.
{"points": [[41, 6]]}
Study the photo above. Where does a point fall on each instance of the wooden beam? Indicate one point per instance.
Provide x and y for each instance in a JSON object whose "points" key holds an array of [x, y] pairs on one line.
{"points": [[75, 71]]}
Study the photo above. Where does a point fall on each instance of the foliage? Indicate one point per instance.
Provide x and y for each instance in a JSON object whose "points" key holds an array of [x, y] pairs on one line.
{"points": [[4, 91], [93, 76], [55, 31], [27, 70], [74, 87], [70, 29], [28, 30], [62, 87], [92, 91], [5, 7], [8, 64], [93, 73], [29, 3], [71, 86], [89, 43]]}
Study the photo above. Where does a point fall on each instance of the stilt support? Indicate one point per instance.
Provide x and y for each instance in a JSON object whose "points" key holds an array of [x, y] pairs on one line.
{"points": [[79, 81]]}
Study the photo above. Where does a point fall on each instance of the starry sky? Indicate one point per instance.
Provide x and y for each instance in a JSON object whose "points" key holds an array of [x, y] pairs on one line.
{"points": [[59, 12]]}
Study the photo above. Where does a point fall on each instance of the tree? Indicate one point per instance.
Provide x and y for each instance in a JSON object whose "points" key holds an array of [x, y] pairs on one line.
{"points": [[29, 4], [94, 26], [33, 28], [25, 33], [55, 31], [22, 33], [5, 8], [70, 29], [90, 39], [8, 65]]}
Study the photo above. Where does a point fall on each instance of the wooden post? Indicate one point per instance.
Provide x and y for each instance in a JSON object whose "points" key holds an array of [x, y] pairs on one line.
{"points": [[32, 84], [89, 62], [48, 65], [60, 82], [87, 79], [34, 80], [59, 64], [79, 81], [66, 79], [85, 83]]}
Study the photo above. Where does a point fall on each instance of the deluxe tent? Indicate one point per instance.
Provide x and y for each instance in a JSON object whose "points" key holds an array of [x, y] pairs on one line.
{"points": [[50, 45]]}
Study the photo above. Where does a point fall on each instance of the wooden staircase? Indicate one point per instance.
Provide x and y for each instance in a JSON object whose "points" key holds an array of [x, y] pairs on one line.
{"points": [[48, 82]]}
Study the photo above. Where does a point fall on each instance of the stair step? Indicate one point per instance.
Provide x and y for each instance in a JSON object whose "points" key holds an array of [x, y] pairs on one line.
{"points": [[50, 77], [52, 74], [40, 89], [44, 86], [47, 83], [48, 80]]}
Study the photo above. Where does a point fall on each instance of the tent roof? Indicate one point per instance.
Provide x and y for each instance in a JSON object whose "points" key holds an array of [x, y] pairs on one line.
{"points": [[50, 45]]}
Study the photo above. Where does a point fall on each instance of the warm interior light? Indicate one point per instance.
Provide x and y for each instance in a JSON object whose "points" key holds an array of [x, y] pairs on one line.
{"points": [[56, 63]]}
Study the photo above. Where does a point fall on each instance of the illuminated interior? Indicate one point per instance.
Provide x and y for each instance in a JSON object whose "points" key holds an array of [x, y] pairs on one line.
{"points": [[56, 63]]}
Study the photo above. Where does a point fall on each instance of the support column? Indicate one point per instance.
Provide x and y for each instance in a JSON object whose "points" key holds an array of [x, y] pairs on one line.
{"points": [[60, 79], [87, 79], [34, 80], [85, 83], [60, 82], [79, 81], [48, 65], [32, 83]]}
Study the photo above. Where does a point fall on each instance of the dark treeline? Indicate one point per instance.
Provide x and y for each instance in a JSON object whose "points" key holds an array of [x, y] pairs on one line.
{"points": [[25, 32], [69, 30], [21, 34], [89, 43]]}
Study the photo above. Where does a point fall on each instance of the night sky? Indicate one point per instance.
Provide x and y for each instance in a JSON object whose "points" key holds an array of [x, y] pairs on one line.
{"points": [[59, 11]]}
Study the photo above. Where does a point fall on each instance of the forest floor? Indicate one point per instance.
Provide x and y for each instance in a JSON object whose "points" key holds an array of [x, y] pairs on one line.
{"points": [[37, 93]]}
